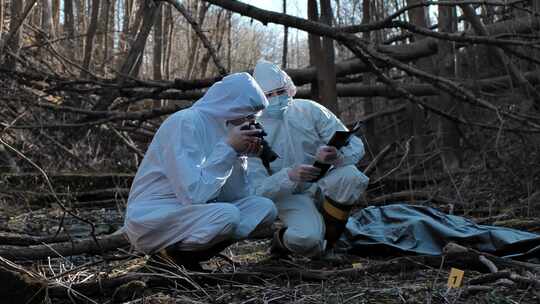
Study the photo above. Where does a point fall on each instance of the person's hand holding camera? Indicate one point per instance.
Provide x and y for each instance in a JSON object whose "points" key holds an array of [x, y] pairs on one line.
{"points": [[245, 140]]}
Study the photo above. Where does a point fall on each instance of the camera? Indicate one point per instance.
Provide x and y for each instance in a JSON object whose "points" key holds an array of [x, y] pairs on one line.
{"points": [[267, 155]]}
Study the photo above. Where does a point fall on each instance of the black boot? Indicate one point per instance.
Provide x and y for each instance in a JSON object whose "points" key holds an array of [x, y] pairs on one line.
{"points": [[277, 247], [335, 219], [188, 259]]}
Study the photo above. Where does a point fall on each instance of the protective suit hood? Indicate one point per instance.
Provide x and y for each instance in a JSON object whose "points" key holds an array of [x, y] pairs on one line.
{"points": [[235, 96], [271, 78]]}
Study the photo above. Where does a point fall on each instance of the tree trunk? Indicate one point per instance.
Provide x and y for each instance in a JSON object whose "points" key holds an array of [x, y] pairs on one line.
{"points": [[229, 40], [46, 18], [285, 39], [109, 47], [81, 21], [157, 61], [327, 73], [447, 131], [314, 45], [69, 28], [150, 11], [194, 50], [90, 35], [368, 79], [55, 16], [169, 44], [125, 25], [103, 32], [219, 37], [1, 19], [13, 39], [416, 120]]}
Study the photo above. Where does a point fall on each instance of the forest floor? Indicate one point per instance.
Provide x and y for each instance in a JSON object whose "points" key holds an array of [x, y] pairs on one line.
{"points": [[246, 273]]}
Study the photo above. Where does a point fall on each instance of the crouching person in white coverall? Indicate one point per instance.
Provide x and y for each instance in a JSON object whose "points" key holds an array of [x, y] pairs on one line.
{"points": [[314, 214], [190, 198]]}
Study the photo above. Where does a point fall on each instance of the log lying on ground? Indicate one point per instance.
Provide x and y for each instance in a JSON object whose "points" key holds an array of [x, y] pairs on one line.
{"points": [[81, 246], [18, 239], [39, 198], [82, 180]]}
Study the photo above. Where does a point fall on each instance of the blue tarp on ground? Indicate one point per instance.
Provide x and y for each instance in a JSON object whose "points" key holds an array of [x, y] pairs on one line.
{"points": [[409, 229]]}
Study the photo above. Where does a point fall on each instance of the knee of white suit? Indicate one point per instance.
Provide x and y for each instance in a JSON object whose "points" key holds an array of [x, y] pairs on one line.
{"points": [[261, 215], [227, 222], [307, 243], [344, 185], [268, 208]]}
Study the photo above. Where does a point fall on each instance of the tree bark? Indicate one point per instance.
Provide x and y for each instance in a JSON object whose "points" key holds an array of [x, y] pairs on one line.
{"points": [[81, 21], [69, 28], [55, 16], [285, 39], [368, 79], [157, 61], [197, 35], [1, 19], [169, 44], [12, 41], [90, 35], [447, 130], [314, 44], [327, 69], [46, 18], [104, 31], [416, 120], [150, 12], [89, 246]]}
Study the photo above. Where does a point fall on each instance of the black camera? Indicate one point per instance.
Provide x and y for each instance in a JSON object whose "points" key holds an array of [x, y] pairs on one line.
{"points": [[267, 155]]}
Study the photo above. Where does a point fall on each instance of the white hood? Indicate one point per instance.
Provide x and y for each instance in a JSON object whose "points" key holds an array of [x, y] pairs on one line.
{"points": [[270, 77], [235, 96]]}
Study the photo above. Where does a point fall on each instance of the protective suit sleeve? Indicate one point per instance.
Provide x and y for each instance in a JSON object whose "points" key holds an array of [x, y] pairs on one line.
{"points": [[327, 123], [270, 186], [196, 179]]}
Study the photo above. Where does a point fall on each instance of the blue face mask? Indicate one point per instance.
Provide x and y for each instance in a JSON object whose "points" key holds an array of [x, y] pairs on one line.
{"points": [[277, 106]]}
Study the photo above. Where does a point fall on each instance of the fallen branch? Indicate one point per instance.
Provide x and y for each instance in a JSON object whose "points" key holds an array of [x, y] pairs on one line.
{"points": [[82, 246], [7, 238]]}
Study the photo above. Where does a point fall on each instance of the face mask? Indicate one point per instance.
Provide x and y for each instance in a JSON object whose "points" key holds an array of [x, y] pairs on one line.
{"points": [[277, 106]]}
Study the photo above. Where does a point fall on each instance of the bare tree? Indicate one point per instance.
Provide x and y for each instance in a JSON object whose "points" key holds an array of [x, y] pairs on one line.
{"points": [[285, 39], [69, 28], [55, 6], [1, 19], [150, 11], [314, 44], [327, 71], [448, 132], [90, 35], [157, 61], [46, 18]]}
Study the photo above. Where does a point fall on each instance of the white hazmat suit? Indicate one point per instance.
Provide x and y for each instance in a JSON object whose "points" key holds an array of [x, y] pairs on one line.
{"points": [[191, 188], [296, 128]]}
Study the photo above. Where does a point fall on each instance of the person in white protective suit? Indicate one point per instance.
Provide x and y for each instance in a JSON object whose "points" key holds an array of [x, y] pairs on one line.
{"points": [[190, 197], [314, 214]]}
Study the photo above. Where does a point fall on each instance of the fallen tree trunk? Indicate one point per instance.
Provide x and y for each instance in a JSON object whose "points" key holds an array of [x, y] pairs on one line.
{"points": [[26, 240], [83, 246], [360, 90]]}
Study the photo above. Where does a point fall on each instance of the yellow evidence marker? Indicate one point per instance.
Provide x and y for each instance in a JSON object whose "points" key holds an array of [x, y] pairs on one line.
{"points": [[455, 278]]}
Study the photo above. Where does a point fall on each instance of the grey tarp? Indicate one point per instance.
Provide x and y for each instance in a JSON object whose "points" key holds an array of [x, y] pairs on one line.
{"points": [[409, 229]]}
